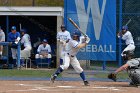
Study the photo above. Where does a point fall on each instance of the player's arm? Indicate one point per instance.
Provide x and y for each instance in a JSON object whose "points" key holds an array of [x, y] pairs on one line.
{"points": [[39, 49], [3, 37], [58, 37], [49, 49], [69, 37], [9, 38], [18, 37], [124, 67], [81, 45]]}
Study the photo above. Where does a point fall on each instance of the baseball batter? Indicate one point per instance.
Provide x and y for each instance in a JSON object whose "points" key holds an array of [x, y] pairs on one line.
{"points": [[127, 36], [14, 37], [62, 35], [132, 66], [2, 39], [25, 45], [72, 48]]}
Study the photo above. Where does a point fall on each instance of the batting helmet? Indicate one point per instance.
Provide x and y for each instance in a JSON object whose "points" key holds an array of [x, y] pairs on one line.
{"points": [[13, 28], [125, 27], [127, 54], [23, 30], [76, 33]]}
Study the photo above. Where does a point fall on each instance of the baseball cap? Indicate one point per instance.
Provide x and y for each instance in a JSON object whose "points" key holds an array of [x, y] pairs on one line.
{"points": [[45, 40], [13, 28]]}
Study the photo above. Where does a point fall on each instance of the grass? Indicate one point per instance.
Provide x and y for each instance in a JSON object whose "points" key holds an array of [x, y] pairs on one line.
{"points": [[30, 2], [25, 73]]}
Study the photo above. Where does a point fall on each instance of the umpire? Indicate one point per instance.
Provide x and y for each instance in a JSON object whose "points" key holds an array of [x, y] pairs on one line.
{"points": [[14, 37], [132, 66]]}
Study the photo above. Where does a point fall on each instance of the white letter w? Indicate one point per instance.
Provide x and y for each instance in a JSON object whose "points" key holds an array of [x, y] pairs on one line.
{"points": [[97, 17]]}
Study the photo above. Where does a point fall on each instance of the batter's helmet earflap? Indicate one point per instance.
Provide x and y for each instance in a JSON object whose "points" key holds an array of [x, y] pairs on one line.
{"points": [[125, 28], [127, 54]]}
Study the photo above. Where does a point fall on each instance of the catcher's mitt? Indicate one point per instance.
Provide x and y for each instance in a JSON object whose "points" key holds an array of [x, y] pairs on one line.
{"points": [[112, 76]]}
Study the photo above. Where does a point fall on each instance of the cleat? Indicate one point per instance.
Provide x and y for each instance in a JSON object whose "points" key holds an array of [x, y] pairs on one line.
{"points": [[86, 83], [52, 79]]}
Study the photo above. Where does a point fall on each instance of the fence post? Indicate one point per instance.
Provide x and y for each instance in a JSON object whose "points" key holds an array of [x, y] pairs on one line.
{"points": [[120, 25], [104, 65], [7, 31], [18, 55]]}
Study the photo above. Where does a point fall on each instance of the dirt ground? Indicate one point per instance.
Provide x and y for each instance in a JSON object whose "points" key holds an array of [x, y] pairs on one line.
{"points": [[65, 87]]}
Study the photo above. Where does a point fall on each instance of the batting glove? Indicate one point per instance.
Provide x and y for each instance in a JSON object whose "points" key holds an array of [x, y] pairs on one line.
{"points": [[87, 39]]}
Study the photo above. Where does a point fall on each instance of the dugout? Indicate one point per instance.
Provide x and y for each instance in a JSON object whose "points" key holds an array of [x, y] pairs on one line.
{"points": [[41, 22]]}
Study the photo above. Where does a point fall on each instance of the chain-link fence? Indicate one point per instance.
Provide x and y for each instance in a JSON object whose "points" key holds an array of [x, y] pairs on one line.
{"points": [[130, 11]]}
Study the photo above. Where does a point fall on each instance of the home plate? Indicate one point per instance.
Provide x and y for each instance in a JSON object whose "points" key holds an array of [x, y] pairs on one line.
{"points": [[66, 86]]}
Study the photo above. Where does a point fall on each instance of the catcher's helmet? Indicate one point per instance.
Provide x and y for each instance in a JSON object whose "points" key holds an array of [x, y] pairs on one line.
{"points": [[125, 27], [127, 54]]}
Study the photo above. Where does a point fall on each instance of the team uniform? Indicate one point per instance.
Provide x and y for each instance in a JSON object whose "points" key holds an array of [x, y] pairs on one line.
{"points": [[2, 39], [70, 58], [25, 48], [134, 70], [44, 52], [12, 37], [132, 66], [127, 37], [62, 36]]}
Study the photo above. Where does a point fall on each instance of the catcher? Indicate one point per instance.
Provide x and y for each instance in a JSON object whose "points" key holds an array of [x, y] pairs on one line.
{"points": [[132, 66]]}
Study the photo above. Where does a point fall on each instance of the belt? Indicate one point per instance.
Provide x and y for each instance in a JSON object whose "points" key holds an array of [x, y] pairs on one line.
{"points": [[70, 55]]}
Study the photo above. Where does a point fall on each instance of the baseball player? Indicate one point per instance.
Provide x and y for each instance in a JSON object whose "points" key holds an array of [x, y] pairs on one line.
{"points": [[62, 35], [73, 47], [127, 36], [14, 37], [44, 52], [2, 39], [132, 66], [25, 45]]}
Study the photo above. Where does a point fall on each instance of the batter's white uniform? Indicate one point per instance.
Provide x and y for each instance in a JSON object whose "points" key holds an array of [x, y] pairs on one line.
{"points": [[70, 56], [62, 36], [42, 50], [128, 41], [26, 41]]}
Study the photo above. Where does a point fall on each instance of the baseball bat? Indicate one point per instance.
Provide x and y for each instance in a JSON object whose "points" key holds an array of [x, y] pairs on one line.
{"points": [[75, 25], [128, 22], [20, 26]]}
